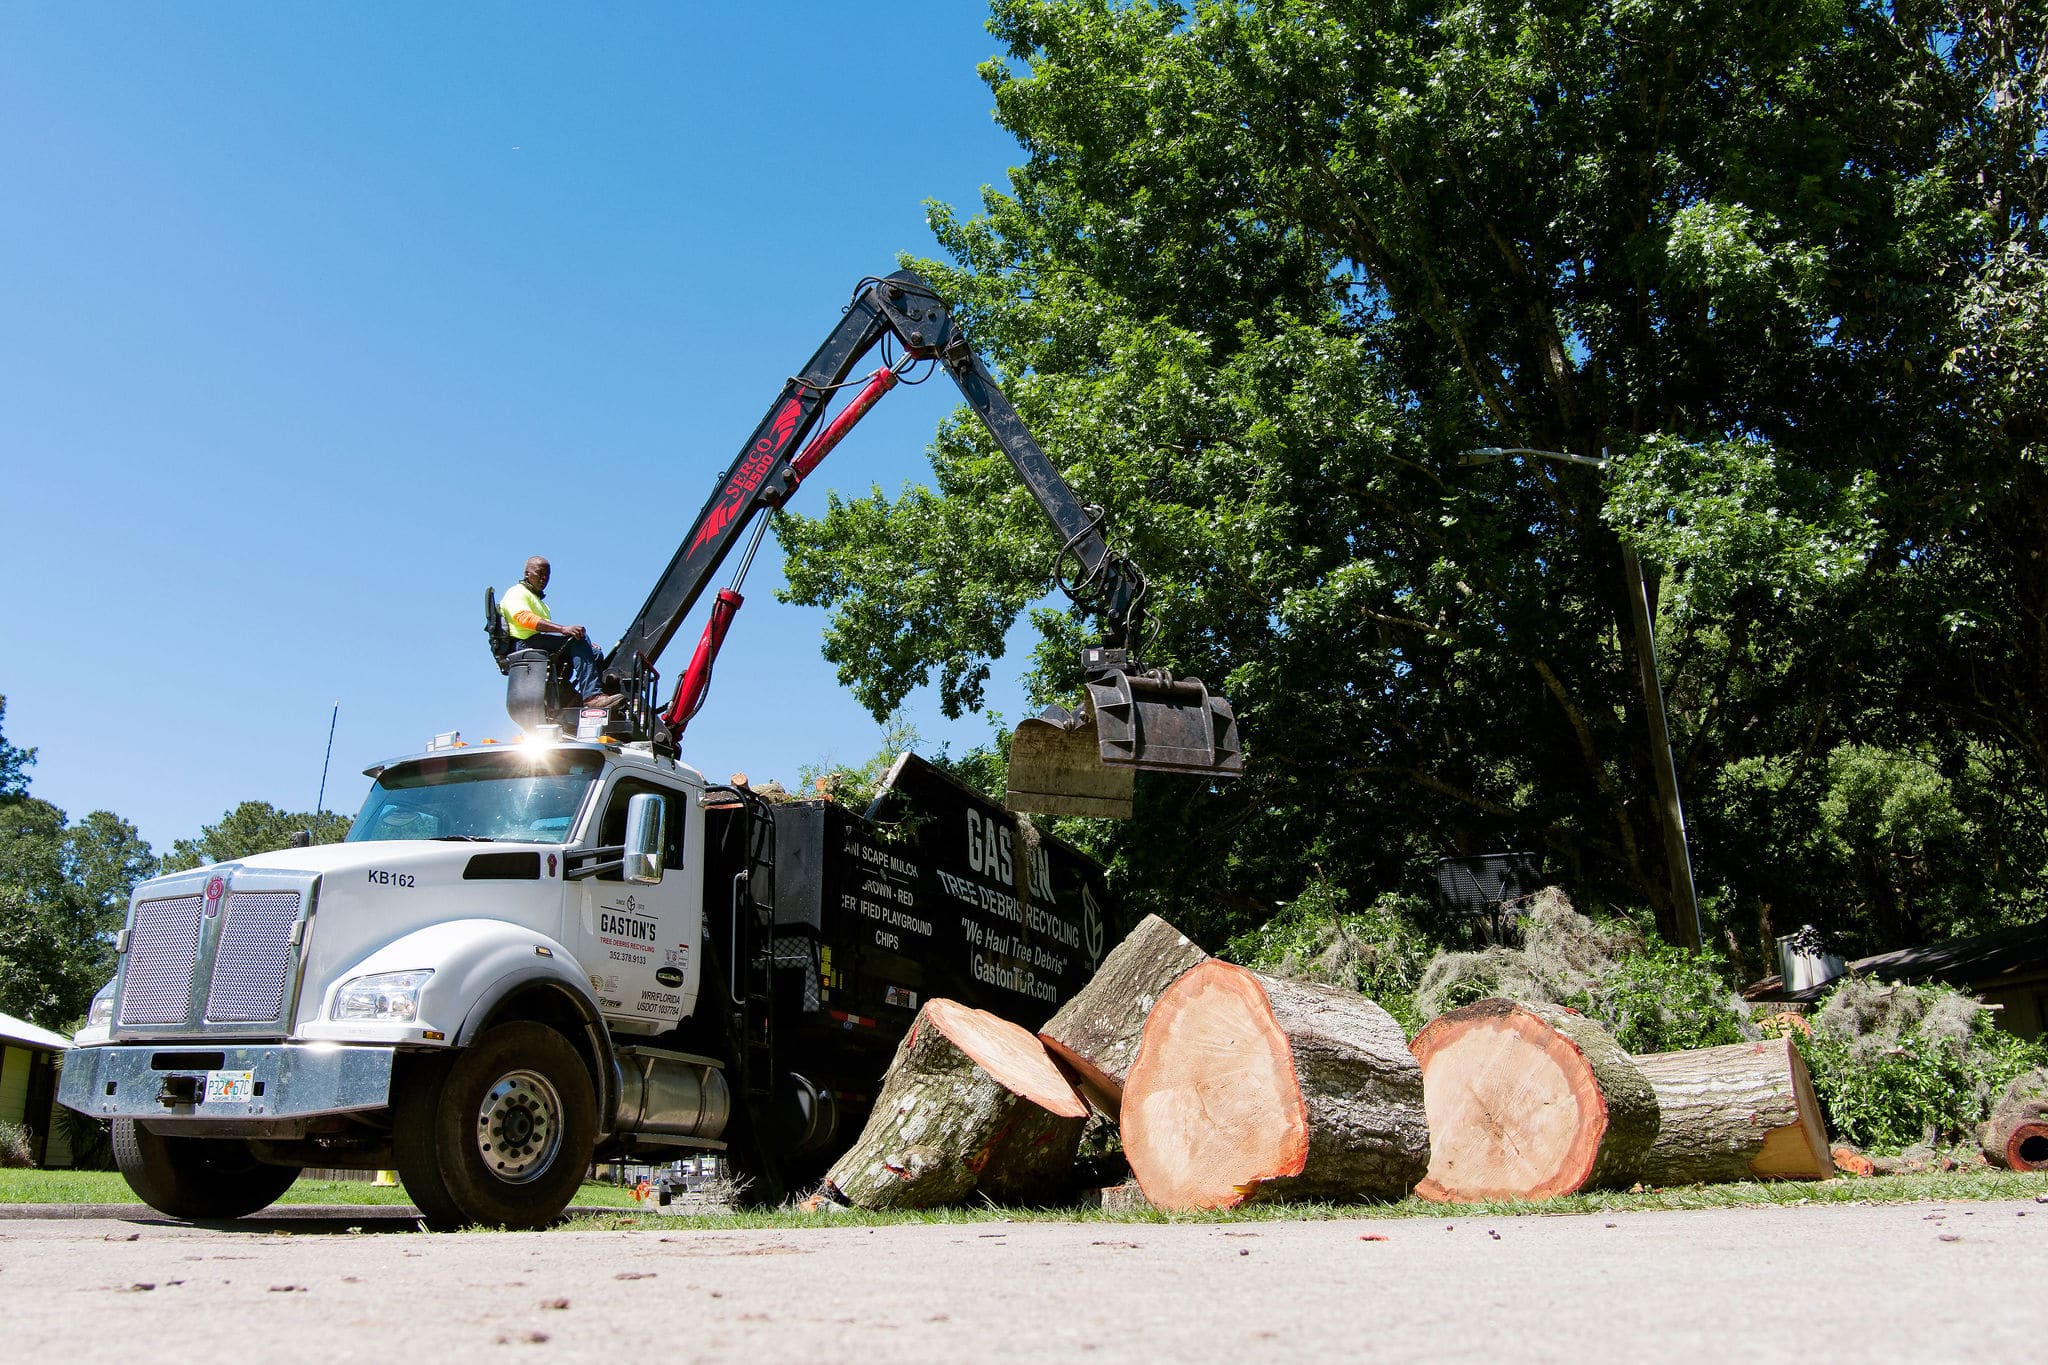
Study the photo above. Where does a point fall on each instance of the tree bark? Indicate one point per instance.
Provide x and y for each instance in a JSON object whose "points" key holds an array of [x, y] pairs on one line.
{"points": [[2016, 1135], [1096, 1033], [1529, 1101], [1742, 1112], [1125, 1198], [1248, 1089], [971, 1103]]}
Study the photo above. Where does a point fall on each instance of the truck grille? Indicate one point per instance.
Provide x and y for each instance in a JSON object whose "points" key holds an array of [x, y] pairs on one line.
{"points": [[242, 963], [254, 957], [161, 953]]}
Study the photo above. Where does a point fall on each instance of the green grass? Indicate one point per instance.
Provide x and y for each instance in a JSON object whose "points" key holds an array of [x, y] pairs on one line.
{"points": [[107, 1187], [1900, 1189]]}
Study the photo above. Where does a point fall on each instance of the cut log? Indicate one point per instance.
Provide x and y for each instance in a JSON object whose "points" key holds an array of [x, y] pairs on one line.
{"points": [[1096, 1032], [1250, 1089], [1529, 1101], [1742, 1112], [1125, 1198], [971, 1103], [2016, 1135]]}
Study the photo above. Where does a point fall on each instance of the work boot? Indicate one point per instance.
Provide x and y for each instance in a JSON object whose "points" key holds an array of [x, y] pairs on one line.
{"points": [[602, 701]]}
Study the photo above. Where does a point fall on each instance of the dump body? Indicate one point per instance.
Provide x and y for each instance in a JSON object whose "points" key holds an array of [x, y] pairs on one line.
{"points": [[935, 890]]}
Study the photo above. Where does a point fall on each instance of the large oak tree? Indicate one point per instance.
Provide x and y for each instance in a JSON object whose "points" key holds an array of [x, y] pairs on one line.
{"points": [[1271, 269]]}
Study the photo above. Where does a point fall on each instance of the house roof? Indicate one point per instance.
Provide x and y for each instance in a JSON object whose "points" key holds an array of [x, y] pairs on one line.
{"points": [[13, 1030], [1980, 962]]}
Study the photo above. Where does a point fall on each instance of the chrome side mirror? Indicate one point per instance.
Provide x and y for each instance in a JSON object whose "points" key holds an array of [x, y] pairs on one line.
{"points": [[645, 836]]}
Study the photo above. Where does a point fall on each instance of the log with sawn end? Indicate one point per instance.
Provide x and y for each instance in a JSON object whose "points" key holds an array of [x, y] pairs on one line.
{"points": [[1096, 1033], [1529, 1101], [1251, 1089], [971, 1103], [1745, 1111]]}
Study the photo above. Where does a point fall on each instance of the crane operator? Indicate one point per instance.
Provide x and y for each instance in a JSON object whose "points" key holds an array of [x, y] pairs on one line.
{"points": [[525, 609]]}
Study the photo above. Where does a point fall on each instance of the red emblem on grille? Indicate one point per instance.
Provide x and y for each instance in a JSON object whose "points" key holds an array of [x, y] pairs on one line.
{"points": [[213, 893]]}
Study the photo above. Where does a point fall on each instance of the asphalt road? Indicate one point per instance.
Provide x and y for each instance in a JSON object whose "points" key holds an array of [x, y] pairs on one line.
{"points": [[1900, 1282]]}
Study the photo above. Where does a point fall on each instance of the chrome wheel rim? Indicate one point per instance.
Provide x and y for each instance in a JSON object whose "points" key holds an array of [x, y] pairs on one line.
{"points": [[519, 1126]]}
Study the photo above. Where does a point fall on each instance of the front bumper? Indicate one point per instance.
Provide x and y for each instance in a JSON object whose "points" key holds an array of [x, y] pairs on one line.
{"points": [[161, 1081]]}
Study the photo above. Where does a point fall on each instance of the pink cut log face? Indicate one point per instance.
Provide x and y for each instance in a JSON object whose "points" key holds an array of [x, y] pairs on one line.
{"points": [[1514, 1109], [1212, 1106], [1014, 1057]]}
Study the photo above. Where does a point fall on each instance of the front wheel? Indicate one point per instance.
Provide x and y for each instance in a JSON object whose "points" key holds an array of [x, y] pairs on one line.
{"points": [[499, 1134], [198, 1178]]}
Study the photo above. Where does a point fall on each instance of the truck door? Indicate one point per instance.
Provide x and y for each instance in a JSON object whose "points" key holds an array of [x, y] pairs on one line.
{"points": [[640, 942]]}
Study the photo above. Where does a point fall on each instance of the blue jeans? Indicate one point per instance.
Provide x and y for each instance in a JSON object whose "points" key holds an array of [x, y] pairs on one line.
{"points": [[585, 668]]}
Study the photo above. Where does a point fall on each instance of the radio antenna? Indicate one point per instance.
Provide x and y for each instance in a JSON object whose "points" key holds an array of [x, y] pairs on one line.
{"points": [[320, 804]]}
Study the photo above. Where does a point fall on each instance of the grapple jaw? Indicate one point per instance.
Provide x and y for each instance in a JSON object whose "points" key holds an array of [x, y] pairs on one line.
{"points": [[1061, 764]]}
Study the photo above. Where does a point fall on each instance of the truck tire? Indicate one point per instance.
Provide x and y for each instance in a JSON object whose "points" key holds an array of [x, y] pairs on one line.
{"points": [[197, 1178], [499, 1134]]}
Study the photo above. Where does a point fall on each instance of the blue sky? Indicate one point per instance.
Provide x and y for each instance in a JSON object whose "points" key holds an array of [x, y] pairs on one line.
{"points": [[315, 320]]}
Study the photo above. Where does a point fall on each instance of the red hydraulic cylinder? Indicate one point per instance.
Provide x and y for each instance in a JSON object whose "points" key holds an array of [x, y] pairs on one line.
{"points": [[821, 444], [696, 679]]}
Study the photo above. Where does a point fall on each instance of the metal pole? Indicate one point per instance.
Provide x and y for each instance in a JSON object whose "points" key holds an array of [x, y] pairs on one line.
{"points": [[320, 804], [1677, 853], [1684, 900]]}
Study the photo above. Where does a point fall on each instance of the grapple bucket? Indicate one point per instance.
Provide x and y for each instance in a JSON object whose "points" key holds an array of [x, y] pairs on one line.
{"points": [[1056, 768], [1062, 765]]}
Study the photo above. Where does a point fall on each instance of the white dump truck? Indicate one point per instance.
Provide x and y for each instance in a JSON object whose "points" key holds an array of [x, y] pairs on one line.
{"points": [[528, 955]]}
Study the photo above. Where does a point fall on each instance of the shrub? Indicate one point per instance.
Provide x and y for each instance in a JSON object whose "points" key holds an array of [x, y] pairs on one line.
{"points": [[1897, 1066], [1377, 951], [1563, 954], [1652, 997], [1665, 999], [15, 1146], [91, 1139]]}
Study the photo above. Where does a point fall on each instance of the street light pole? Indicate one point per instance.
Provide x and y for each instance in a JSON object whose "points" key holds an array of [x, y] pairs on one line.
{"points": [[1671, 813]]}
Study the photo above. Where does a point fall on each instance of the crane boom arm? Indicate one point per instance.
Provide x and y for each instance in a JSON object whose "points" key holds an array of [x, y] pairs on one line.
{"points": [[769, 467], [1143, 718]]}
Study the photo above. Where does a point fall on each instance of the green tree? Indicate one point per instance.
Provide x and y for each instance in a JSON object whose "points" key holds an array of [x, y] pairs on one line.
{"points": [[14, 762], [1269, 270], [104, 858], [41, 915], [857, 786], [252, 827], [63, 896]]}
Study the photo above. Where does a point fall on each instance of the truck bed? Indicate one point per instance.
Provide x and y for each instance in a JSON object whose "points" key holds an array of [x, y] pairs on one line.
{"points": [[934, 890]]}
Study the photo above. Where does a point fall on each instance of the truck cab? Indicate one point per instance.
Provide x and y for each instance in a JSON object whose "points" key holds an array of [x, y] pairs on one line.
{"points": [[537, 903]]}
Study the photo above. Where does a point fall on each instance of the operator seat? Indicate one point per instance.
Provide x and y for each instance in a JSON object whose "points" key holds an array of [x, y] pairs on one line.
{"points": [[503, 646], [537, 687]]}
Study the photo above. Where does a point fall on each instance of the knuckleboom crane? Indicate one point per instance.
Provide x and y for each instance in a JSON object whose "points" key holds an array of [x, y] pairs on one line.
{"points": [[1143, 718]]}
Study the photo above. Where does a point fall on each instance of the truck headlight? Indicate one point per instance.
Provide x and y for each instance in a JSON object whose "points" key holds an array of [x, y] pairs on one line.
{"points": [[101, 1012], [385, 998]]}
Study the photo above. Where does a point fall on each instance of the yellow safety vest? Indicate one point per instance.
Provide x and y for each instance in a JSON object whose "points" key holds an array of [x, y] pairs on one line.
{"points": [[520, 598]]}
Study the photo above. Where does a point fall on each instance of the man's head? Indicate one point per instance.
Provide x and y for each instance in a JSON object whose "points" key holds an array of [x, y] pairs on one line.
{"points": [[536, 573]]}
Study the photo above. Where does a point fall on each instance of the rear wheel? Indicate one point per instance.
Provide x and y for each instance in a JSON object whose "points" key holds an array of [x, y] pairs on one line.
{"points": [[499, 1134], [200, 1178]]}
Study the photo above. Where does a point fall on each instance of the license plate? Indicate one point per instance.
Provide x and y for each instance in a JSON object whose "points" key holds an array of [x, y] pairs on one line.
{"points": [[230, 1087]]}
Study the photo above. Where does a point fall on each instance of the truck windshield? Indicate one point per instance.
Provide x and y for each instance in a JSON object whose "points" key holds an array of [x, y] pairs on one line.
{"points": [[525, 795]]}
